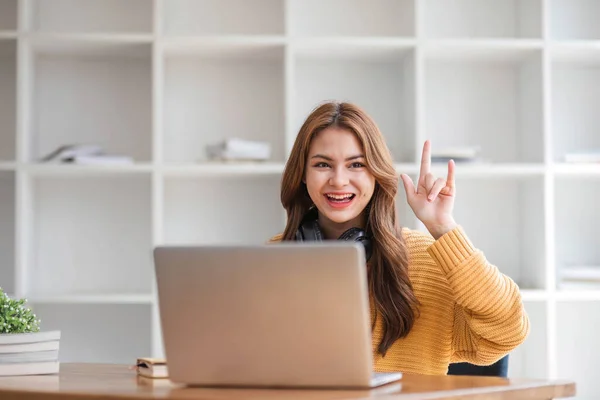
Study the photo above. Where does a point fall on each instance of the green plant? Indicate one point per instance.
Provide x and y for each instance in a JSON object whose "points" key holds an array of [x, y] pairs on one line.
{"points": [[15, 317]]}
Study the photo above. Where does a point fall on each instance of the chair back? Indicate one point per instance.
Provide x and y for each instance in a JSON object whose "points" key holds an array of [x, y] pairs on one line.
{"points": [[499, 368]]}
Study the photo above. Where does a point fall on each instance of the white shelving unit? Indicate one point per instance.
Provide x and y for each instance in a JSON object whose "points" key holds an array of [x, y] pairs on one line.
{"points": [[159, 80]]}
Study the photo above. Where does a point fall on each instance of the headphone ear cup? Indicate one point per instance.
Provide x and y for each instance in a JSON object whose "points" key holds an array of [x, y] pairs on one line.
{"points": [[309, 228], [352, 234], [312, 231], [358, 235]]}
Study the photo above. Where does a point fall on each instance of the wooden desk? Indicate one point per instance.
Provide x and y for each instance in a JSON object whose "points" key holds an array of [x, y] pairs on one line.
{"points": [[95, 381]]}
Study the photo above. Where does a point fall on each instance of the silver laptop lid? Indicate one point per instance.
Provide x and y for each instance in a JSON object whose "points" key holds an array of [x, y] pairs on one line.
{"points": [[289, 314]]}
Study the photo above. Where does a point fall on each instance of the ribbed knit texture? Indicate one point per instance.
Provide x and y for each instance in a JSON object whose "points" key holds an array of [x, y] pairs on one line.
{"points": [[469, 310]]}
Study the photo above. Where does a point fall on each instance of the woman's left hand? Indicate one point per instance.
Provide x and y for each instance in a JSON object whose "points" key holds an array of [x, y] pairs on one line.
{"points": [[432, 200]]}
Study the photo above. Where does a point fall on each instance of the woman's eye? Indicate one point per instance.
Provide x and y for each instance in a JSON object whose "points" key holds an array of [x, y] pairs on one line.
{"points": [[321, 165], [357, 165]]}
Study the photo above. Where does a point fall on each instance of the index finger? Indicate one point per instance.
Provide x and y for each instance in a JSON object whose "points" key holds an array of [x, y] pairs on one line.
{"points": [[425, 160], [450, 178]]}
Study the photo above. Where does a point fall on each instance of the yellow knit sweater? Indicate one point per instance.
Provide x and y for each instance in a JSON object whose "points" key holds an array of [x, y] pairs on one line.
{"points": [[469, 310]]}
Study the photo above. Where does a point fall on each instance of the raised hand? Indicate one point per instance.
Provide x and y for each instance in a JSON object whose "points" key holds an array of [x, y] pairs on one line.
{"points": [[432, 200]]}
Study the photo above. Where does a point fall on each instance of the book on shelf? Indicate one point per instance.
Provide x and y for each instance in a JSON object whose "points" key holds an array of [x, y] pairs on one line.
{"points": [[100, 160], [462, 154], [85, 154], [72, 150], [35, 353], [152, 367], [236, 149]]}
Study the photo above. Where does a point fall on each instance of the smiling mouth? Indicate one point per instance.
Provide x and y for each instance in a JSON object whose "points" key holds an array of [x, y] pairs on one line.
{"points": [[340, 198]]}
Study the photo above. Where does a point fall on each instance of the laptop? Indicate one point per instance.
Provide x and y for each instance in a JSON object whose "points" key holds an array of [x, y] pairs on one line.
{"points": [[273, 315]]}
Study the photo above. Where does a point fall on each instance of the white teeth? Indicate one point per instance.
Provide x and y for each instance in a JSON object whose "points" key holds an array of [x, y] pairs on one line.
{"points": [[340, 196]]}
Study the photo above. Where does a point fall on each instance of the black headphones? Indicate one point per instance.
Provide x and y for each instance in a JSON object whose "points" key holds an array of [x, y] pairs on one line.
{"points": [[309, 230]]}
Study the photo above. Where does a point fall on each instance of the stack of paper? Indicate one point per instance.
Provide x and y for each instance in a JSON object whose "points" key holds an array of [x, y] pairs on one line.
{"points": [[85, 154], [33, 353], [456, 153], [239, 150]]}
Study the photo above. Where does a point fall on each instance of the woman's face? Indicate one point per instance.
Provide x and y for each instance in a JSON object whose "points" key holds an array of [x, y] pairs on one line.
{"points": [[337, 178]]}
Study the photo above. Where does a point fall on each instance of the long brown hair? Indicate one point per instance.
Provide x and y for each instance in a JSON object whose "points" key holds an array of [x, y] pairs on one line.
{"points": [[389, 284]]}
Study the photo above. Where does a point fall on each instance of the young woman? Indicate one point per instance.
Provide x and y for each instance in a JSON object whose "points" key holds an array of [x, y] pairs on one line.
{"points": [[435, 298]]}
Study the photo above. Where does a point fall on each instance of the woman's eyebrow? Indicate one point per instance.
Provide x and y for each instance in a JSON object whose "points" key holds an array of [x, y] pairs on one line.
{"points": [[331, 159]]}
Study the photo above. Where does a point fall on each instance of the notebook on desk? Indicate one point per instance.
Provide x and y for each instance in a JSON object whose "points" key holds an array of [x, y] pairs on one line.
{"points": [[152, 367], [277, 315]]}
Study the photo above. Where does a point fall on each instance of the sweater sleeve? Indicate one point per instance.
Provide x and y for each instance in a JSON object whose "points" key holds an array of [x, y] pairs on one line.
{"points": [[489, 317]]}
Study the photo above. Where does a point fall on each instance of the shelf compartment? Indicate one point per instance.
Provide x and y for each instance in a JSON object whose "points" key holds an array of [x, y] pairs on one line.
{"points": [[7, 231], [379, 79], [577, 219], [352, 18], [9, 15], [87, 232], [209, 97], [486, 97], [96, 92], [577, 354], [482, 19], [76, 16], [98, 333], [507, 231], [223, 17], [530, 359], [8, 95], [574, 19], [575, 91], [192, 205]]}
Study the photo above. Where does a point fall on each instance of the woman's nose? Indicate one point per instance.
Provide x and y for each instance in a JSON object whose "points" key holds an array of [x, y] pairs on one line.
{"points": [[339, 177]]}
